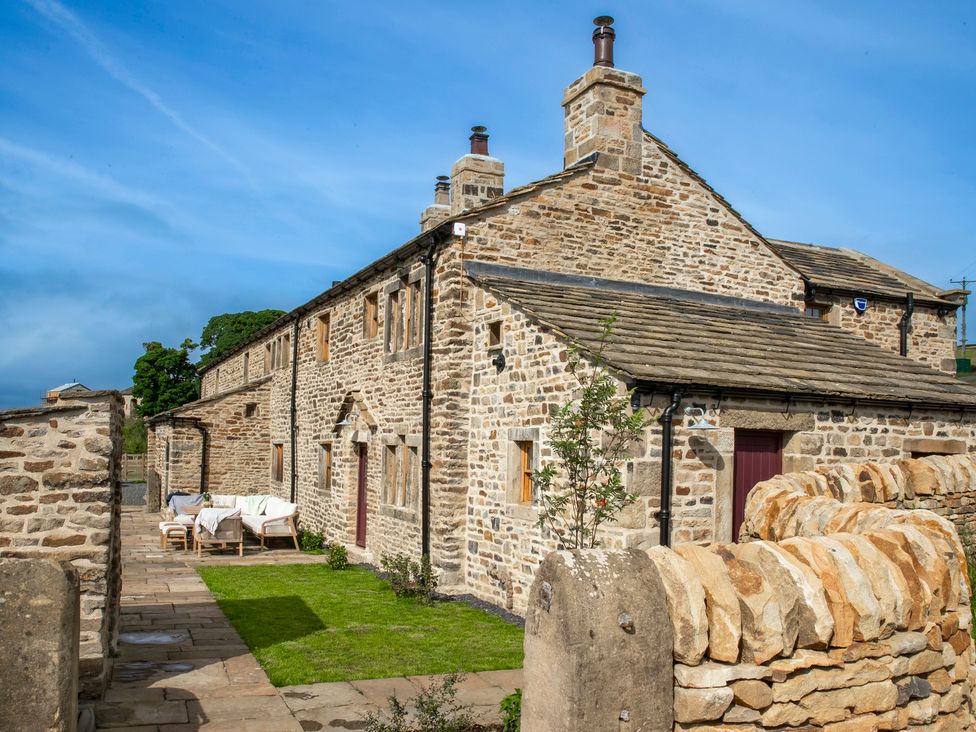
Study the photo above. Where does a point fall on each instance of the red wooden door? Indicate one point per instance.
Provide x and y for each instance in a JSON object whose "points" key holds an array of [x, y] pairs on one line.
{"points": [[361, 498], [758, 457]]}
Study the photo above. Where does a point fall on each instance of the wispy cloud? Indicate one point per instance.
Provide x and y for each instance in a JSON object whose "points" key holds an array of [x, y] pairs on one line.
{"points": [[76, 28]]}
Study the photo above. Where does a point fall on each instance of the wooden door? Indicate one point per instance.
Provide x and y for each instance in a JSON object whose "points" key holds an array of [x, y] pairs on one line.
{"points": [[361, 498], [758, 457]]}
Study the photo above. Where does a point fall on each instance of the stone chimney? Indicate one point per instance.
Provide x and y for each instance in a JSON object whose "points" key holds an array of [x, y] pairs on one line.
{"points": [[477, 177], [440, 209], [603, 109]]}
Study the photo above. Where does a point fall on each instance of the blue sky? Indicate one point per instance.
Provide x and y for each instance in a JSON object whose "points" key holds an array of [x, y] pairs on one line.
{"points": [[162, 162]]}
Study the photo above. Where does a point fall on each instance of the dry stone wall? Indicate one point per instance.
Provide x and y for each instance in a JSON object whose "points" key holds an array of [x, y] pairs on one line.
{"points": [[60, 499], [837, 616]]}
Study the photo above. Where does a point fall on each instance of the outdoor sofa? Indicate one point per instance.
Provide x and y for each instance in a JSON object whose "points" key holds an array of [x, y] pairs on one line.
{"points": [[263, 515]]}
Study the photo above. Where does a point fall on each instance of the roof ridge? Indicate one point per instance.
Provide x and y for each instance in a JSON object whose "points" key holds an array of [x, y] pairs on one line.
{"points": [[478, 269]]}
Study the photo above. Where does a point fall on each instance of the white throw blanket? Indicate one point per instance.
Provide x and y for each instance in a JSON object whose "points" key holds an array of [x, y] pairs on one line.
{"points": [[210, 518]]}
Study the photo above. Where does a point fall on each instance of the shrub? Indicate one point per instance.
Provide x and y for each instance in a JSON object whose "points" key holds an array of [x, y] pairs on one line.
{"points": [[309, 541], [408, 578], [438, 710], [511, 709], [338, 558]]}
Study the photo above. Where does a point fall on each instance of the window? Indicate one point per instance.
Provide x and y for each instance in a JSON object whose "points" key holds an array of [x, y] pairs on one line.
{"points": [[216, 380], [404, 317], [371, 316], [247, 363], [277, 353], [495, 334], [817, 311], [250, 410], [323, 331], [325, 466], [400, 473], [277, 462], [524, 448]]}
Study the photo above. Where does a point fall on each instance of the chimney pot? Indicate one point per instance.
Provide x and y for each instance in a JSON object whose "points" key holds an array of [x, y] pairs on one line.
{"points": [[479, 140], [442, 191], [603, 38]]}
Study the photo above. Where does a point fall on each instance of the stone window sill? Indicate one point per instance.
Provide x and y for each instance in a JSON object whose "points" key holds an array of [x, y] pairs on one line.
{"points": [[406, 355], [402, 514], [522, 511]]}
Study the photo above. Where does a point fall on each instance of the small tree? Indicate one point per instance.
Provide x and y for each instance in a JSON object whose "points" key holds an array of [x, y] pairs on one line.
{"points": [[133, 436], [589, 437], [164, 378]]}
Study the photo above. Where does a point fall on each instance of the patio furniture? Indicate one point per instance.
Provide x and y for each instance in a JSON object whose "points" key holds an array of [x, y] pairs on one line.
{"points": [[228, 533], [172, 532], [277, 518]]}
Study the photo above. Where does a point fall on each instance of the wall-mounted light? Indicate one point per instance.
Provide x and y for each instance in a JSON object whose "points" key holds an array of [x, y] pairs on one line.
{"points": [[344, 422], [498, 361], [699, 422]]}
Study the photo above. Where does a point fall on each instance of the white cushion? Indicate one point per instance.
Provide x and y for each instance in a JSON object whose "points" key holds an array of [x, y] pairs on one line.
{"points": [[164, 525], [224, 501], [185, 519], [239, 503], [276, 508], [253, 523]]}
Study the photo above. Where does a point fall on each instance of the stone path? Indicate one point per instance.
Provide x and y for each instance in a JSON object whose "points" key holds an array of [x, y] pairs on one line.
{"points": [[182, 666]]}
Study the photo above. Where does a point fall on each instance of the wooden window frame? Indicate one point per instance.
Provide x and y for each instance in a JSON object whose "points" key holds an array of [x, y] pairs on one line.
{"points": [[268, 357], [325, 466], [323, 333], [246, 365], [371, 315], [822, 311], [526, 450], [277, 462]]}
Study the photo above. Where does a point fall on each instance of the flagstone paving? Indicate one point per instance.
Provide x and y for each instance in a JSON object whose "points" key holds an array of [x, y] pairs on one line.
{"points": [[181, 665]]}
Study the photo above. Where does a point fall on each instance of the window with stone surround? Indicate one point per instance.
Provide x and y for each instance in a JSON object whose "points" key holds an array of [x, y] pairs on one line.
{"points": [[251, 409], [817, 311], [325, 466], [323, 331], [277, 462], [401, 465], [523, 461], [278, 353], [268, 352], [371, 315], [404, 314], [495, 334], [247, 360]]}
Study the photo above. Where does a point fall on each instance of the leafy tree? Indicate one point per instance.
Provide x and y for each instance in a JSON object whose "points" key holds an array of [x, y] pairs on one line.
{"points": [[589, 436], [134, 436], [164, 378], [223, 332]]}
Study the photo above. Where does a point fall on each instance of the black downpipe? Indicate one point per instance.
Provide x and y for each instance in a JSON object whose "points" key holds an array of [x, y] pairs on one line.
{"points": [[428, 260], [906, 322], [294, 406], [667, 447], [202, 429]]}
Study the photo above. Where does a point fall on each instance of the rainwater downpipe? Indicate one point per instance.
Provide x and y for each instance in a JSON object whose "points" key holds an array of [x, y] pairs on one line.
{"points": [[202, 429], [294, 406], [428, 259], [667, 447], [906, 322]]}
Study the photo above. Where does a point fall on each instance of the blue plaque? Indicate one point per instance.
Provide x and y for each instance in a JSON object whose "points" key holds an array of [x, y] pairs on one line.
{"points": [[860, 304]]}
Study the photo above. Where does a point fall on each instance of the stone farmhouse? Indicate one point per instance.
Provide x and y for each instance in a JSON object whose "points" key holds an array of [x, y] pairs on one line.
{"points": [[405, 407]]}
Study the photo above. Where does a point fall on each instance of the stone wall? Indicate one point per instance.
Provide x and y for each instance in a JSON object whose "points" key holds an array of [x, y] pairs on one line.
{"points": [[39, 628], [838, 616], [505, 547], [236, 424], [60, 498], [931, 339]]}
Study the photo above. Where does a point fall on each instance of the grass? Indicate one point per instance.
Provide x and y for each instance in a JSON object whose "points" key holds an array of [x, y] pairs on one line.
{"points": [[307, 623]]}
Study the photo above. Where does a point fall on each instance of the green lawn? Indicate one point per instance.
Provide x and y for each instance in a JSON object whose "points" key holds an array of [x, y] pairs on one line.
{"points": [[307, 623]]}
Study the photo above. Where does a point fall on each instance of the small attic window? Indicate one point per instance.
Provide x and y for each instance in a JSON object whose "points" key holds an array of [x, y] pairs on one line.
{"points": [[817, 311], [250, 409], [495, 334]]}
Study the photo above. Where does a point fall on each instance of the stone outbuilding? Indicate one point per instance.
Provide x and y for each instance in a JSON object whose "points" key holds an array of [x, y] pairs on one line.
{"points": [[402, 407]]}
